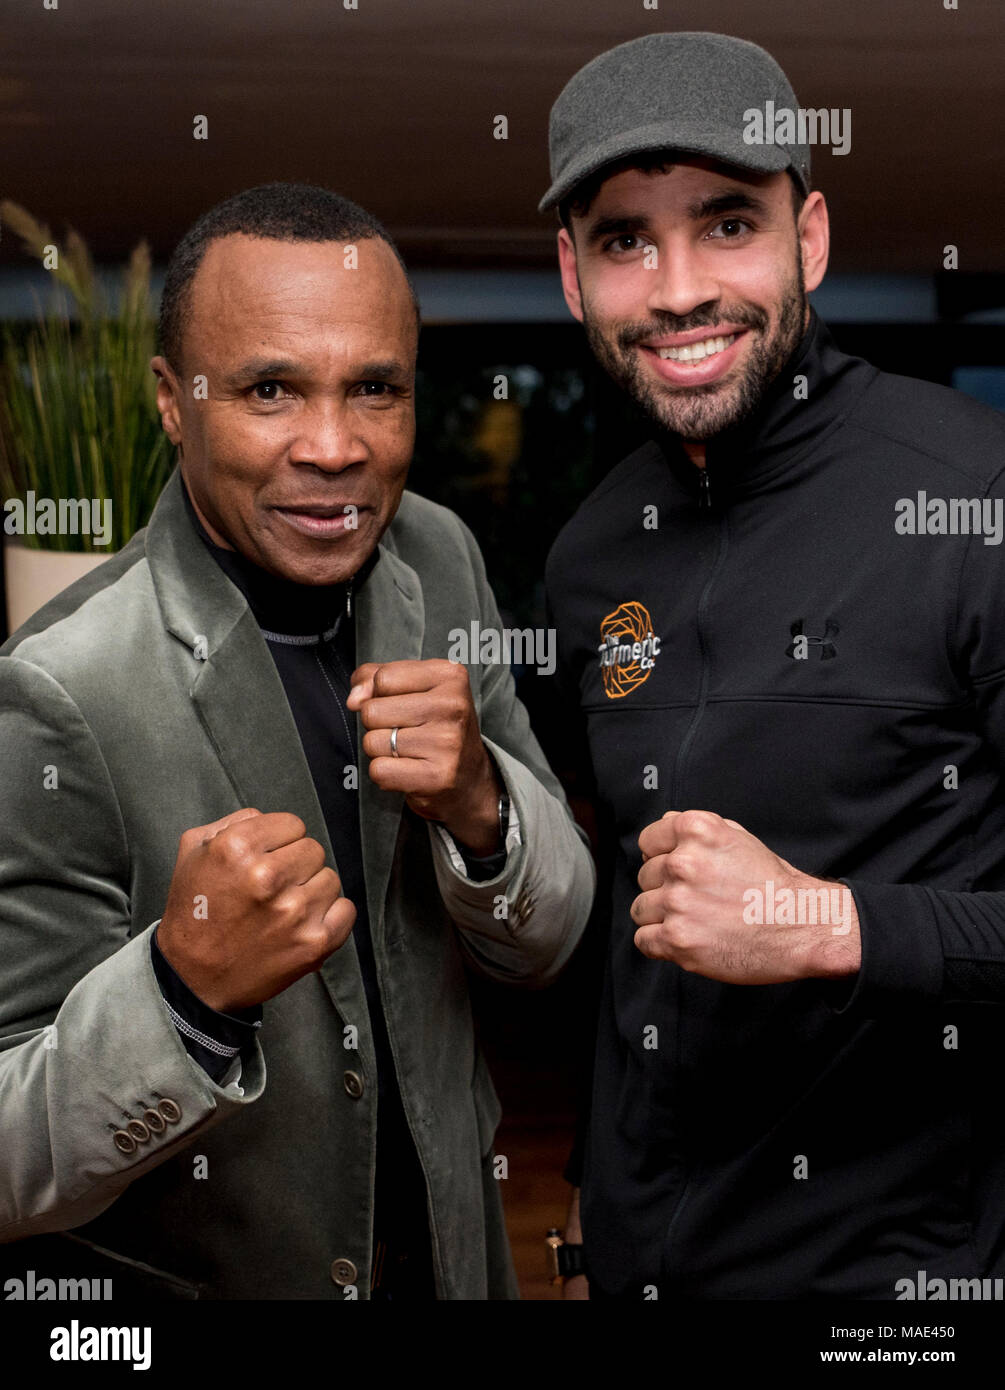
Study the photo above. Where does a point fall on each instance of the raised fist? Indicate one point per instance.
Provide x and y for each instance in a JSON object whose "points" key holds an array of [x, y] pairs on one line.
{"points": [[251, 908]]}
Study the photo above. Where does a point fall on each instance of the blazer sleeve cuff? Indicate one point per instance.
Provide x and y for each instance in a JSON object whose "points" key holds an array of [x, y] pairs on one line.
{"points": [[212, 1039], [522, 924]]}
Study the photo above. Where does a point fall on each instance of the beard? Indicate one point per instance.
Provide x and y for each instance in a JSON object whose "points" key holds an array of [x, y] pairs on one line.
{"points": [[700, 412]]}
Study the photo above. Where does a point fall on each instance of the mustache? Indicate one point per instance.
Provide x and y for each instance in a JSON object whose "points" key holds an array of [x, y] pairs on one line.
{"points": [[666, 323]]}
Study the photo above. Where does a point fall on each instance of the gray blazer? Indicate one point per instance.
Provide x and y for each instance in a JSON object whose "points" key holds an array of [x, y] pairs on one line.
{"points": [[117, 734]]}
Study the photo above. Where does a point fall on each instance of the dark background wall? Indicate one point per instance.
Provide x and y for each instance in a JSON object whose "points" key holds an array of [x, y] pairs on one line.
{"points": [[393, 103]]}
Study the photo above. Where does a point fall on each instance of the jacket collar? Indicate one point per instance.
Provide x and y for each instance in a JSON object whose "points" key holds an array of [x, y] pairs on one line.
{"points": [[239, 697], [790, 421], [279, 605]]}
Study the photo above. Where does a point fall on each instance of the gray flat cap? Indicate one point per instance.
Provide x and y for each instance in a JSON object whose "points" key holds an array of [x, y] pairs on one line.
{"points": [[687, 92]]}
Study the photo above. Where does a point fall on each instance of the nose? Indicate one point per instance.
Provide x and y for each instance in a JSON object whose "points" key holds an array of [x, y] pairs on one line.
{"points": [[681, 280], [328, 436]]}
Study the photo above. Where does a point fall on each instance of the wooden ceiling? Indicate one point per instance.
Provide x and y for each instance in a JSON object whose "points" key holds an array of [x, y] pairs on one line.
{"points": [[392, 103]]}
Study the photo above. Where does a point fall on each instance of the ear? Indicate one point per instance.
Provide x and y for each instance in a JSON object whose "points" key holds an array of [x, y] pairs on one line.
{"points": [[168, 398], [570, 277], [814, 239]]}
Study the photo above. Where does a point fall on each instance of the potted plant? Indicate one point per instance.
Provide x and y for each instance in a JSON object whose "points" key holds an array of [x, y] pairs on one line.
{"points": [[82, 454]]}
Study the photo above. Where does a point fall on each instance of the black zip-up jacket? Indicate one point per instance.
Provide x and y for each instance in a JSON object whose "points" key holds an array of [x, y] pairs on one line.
{"points": [[805, 667]]}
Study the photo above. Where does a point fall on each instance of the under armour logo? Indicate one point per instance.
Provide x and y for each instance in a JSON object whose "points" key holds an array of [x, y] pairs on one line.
{"points": [[799, 647]]}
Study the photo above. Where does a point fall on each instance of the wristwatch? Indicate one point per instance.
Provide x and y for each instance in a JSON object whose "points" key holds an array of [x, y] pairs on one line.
{"points": [[565, 1260]]}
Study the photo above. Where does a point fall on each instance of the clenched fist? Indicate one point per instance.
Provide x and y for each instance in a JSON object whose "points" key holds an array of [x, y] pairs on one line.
{"points": [[251, 908], [718, 902], [438, 758]]}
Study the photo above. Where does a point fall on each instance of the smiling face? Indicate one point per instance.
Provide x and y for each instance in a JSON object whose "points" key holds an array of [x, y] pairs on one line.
{"points": [[298, 454], [691, 284]]}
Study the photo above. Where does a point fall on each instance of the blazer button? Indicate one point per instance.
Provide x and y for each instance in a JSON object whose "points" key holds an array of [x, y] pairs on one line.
{"points": [[343, 1272], [154, 1121], [125, 1143], [170, 1110], [138, 1130], [353, 1084]]}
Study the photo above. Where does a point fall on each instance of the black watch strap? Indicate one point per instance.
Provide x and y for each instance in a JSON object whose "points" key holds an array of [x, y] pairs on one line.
{"points": [[570, 1260]]}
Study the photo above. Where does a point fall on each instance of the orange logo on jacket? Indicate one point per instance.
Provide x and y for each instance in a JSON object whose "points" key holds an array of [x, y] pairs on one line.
{"points": [[628, 649]]}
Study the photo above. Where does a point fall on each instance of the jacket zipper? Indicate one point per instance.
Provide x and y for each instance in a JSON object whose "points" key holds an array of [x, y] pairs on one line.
{"points": [[704, 490], [705, 505]]}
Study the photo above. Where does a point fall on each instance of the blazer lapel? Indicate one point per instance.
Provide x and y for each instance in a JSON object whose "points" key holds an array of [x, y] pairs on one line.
{"points": [[235, 686], [390, 625]]}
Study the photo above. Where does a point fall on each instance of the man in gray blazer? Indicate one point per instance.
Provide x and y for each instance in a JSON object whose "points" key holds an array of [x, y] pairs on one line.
{"points": [[239, 771]]}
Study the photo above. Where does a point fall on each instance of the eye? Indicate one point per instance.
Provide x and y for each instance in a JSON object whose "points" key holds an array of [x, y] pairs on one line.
{"points": [[626, 242], [268, 391], [736, 225], [382, 393]]}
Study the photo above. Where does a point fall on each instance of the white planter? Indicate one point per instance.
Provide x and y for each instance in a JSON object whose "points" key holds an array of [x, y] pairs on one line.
{"points": [[33, 577]]}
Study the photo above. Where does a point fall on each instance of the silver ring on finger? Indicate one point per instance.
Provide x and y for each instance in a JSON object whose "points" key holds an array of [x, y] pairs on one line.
{"points": [[394, 743]]}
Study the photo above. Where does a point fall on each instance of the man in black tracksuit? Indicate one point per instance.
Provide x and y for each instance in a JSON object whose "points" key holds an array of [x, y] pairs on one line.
{"points": [[768, 627]]}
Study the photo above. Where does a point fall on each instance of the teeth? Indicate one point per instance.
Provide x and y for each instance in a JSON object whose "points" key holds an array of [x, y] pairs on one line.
{"points": [[695, 352]]}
